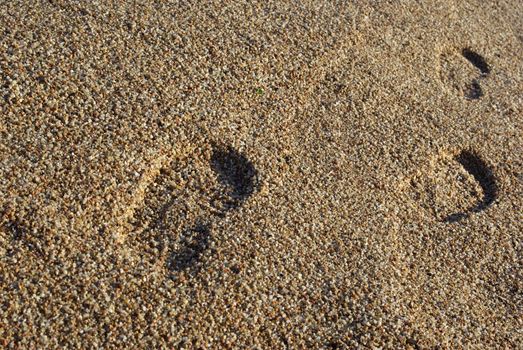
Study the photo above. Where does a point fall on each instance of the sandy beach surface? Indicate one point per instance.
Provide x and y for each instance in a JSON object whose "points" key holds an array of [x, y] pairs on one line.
{"points": [[261, 174]]}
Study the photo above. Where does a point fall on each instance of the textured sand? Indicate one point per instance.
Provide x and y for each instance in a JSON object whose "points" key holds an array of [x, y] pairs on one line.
{"points": [[261, 174]]}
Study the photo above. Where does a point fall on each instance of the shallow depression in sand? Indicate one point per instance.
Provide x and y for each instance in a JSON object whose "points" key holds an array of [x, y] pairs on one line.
{"points": [[462, 72], [453, 186], [173, 226]]}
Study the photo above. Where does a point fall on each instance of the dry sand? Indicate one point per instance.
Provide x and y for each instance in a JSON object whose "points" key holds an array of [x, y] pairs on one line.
{"points": [[261, 174]]}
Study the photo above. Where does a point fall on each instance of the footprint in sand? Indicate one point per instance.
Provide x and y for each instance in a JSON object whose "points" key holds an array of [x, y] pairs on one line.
{"points": [[453, 186], [173, 226], [463, 71]]}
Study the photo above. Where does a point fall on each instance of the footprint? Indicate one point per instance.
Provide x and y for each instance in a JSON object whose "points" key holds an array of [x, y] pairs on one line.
{"points": [[453, 186], [483, 175], [463, 71], [173, 226]]}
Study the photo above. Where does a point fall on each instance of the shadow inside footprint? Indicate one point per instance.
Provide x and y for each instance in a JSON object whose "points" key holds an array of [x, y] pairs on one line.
{"points": [[483, 175], [475, 166], [236, 172], [193, 243], [473, 91], [21, 234], [477, 60]]}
